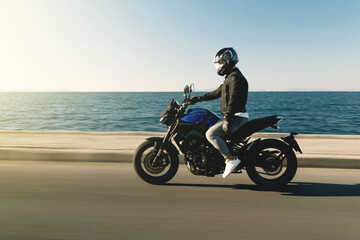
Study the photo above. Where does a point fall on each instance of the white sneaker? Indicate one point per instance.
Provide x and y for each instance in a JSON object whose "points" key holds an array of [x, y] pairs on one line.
{"points": [[230, 166]]}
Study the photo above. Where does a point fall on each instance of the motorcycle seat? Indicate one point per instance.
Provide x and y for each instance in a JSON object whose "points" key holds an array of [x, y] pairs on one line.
{"points": [[254, 126]]}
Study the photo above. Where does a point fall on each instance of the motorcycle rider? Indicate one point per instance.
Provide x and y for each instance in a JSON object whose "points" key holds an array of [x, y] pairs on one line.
{"points": [[233, 93]]}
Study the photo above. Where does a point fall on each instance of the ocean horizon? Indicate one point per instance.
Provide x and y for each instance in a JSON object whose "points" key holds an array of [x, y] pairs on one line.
{"points": [[307, 112], [140, 91]]}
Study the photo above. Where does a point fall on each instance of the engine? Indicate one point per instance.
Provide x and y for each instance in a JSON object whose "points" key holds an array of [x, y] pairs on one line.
{"points": [[203, 160], [201, 157]]}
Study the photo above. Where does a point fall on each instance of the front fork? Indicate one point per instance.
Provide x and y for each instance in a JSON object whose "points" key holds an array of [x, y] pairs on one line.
{"points": [[159, 146]]}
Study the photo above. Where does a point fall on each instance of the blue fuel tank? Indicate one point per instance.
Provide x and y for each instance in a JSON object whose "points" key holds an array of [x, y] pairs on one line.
{"points": [[200, 115]]}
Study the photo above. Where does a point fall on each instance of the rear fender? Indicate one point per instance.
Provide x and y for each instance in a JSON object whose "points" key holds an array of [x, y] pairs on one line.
{"points": [[290, 140], [251, 150], [253, 145], [168, 145]]}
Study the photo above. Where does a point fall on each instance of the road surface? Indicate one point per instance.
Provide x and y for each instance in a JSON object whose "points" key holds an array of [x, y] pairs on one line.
{"points": [[59, 200]]}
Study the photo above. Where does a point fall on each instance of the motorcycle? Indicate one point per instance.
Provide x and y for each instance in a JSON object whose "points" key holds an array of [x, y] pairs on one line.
{"points": [[268, 162]]}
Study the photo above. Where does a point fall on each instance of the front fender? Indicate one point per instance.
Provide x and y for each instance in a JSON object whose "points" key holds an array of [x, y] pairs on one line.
{"points": [[168, 145]]}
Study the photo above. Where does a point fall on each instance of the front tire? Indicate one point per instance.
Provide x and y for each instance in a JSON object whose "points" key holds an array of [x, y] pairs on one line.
{"points": [[272, 164], [155, 174]]}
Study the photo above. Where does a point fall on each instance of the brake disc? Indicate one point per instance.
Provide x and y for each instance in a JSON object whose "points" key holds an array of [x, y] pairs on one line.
{"points": [[150, 167]]}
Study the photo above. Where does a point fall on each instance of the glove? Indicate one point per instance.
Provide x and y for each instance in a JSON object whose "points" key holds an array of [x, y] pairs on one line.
{"points": [[227, 120], [225, 127], [194, 100]]}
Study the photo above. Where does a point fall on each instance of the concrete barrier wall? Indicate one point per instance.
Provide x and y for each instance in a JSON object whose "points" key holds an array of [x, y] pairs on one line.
{"points": [[332, 151]]}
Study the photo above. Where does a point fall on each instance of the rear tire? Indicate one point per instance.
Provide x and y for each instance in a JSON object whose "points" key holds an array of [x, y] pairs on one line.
{"points": [[155, 174], [266, 164]]}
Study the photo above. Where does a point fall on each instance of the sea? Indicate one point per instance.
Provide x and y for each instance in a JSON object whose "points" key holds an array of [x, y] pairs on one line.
{"points": [[303, 112]]}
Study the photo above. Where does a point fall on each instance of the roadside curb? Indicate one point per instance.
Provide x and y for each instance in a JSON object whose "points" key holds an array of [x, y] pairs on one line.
{"points": [[64, 155], [314, 161], [321, 151]]}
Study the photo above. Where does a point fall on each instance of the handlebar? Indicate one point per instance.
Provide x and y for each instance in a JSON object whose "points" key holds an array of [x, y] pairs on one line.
{"points": [[184, 105]]}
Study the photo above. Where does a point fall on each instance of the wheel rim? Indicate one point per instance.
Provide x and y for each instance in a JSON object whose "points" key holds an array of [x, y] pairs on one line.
{"points": [[158, 169], [150, 166], [272, 164]]}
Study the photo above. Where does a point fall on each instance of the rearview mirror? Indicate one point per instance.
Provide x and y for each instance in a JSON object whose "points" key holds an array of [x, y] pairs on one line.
{"points": [[191, 87], [187, 89]]}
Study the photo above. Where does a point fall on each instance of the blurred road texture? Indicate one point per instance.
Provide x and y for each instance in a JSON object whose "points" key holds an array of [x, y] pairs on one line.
{"points": [[57, 200]]}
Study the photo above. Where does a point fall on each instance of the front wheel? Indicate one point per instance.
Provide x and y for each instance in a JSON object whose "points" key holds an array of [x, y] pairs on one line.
{"points": [[272, 164], [159, 172]]}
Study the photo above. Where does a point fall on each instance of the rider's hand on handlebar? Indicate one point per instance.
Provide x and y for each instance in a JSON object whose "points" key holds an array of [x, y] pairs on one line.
{"points": [[194, 100]]}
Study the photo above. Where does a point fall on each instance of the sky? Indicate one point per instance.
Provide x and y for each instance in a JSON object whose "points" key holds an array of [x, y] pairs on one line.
{"points": [[162, 45]]}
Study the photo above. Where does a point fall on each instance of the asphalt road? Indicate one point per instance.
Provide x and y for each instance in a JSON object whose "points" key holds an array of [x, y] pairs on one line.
{"points": [[57, 200]]}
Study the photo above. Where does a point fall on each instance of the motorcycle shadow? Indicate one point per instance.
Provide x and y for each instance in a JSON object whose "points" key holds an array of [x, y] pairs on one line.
{"points": [[309, 189]]}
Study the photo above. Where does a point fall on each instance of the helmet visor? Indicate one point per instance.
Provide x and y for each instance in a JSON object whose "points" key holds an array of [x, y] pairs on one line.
{"points": [[218, 65]]}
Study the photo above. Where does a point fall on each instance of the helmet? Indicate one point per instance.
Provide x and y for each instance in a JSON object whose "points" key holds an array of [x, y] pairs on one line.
{"points": [[224, 60]]}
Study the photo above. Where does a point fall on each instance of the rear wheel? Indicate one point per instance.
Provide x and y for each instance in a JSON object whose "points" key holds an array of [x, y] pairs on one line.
{"points": [[159, 172], [272, 164]]}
